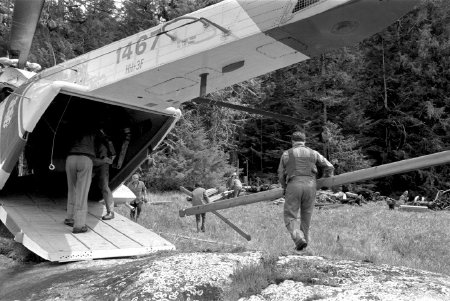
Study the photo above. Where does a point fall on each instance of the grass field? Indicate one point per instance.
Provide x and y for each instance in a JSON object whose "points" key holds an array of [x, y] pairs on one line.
{"points": [[369, 233]]}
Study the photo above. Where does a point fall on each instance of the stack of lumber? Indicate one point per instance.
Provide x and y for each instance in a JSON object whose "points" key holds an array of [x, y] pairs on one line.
{"points": [[413, 208], [330, 197], [214, 194]]}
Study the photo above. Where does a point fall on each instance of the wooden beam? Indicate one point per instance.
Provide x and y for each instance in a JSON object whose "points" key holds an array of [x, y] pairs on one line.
{"points": [[386, 169], [350, 177], [242, 200], [228, 222], [235, 228], [185, 191], [413, 208]]}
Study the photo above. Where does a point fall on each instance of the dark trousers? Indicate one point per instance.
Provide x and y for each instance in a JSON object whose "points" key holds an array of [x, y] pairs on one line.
{"points": [[101, 174], [136, 211], [203, 218], [298, 208]]}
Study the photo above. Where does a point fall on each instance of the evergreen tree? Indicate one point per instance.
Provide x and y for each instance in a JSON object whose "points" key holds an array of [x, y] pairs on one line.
{"points": [[187, 157]]}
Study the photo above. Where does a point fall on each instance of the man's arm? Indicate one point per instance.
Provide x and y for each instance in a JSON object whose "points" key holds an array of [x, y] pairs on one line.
{"points": [[109, 145], [206, 197], [281, 172], [325, 165], [144, 192]]}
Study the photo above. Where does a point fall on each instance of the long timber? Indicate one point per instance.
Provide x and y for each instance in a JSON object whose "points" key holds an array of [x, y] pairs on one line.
{"points": [[350, 177]]}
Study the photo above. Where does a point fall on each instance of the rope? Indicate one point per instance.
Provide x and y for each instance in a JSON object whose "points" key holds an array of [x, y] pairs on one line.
{"points": [[52, 166]]}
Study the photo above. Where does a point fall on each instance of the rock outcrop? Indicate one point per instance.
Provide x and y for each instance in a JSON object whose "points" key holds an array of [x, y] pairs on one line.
{"points": [[350, 280], [206, 276]]}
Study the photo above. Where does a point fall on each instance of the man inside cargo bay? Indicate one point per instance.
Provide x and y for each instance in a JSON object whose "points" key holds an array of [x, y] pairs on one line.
{"points": [[297, 174], [104, 157]]}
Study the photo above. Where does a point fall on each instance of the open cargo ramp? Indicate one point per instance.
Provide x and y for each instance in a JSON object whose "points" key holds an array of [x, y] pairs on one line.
{"points": [[37, 223]]}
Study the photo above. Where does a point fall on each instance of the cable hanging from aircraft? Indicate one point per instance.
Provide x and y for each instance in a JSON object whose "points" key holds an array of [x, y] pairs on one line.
{"points": [[52, 166]]}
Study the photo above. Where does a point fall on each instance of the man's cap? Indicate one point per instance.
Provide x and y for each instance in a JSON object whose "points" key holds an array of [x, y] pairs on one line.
{"points": [[298, 136], [234, 174]]}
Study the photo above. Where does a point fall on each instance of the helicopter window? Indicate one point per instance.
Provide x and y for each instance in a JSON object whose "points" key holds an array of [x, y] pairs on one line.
{"points": [[5, 92], [302, 4]]}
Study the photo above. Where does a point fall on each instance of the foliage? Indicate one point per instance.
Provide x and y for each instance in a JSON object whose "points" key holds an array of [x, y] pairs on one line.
{"points": [[185, 158], [387, 96], [344, 152], [251, 280]]}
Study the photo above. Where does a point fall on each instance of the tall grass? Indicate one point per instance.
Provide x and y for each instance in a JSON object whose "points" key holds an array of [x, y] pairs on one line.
{"points": [[369, 233]]}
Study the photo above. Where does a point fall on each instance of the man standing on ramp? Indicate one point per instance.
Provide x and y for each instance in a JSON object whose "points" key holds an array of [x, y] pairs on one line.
{"points": [[297, 174]]}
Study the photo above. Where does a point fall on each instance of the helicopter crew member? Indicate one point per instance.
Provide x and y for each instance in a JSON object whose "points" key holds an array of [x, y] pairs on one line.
{"points": [[297, 174]]}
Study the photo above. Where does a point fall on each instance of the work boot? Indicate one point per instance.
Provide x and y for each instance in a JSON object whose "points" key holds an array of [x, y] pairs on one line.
{"points": [[203, 228], [80, 230], [69, 222], [300, 245], [108, 216]]}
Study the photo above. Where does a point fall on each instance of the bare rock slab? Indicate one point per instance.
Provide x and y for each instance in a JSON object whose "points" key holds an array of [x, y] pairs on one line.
{"points": [[350, 280], [206, 276]]}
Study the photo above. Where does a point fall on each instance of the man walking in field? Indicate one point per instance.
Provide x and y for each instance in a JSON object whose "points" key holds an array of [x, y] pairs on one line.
{"points": [[297, 174], [199, 197], [140, 191], [235, 184]]}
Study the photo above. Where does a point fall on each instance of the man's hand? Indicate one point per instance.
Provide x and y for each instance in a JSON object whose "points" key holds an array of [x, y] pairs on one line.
{"points": [[101, 161], [108, 160]]}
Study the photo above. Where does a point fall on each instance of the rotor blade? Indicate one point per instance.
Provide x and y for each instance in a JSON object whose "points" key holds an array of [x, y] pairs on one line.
{"points": [[249, 110], [345, 178], [25, 17]]}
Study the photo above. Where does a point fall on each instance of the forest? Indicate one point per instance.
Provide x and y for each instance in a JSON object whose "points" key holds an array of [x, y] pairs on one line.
{"points": [[383, 100]]}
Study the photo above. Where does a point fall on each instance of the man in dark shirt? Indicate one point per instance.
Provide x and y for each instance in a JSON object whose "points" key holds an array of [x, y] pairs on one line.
{"points": [[79, 176], [199, 197]]}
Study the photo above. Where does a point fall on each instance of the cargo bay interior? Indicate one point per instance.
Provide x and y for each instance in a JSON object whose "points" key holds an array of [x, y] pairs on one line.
{"points": [[47, 146]]}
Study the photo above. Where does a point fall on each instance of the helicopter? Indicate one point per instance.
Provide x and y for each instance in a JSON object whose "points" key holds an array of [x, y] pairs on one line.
{"points": [[136, 85]]}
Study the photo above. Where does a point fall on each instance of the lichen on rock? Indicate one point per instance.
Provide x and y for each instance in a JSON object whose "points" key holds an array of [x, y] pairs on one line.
{"points": [[208, 276]]}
